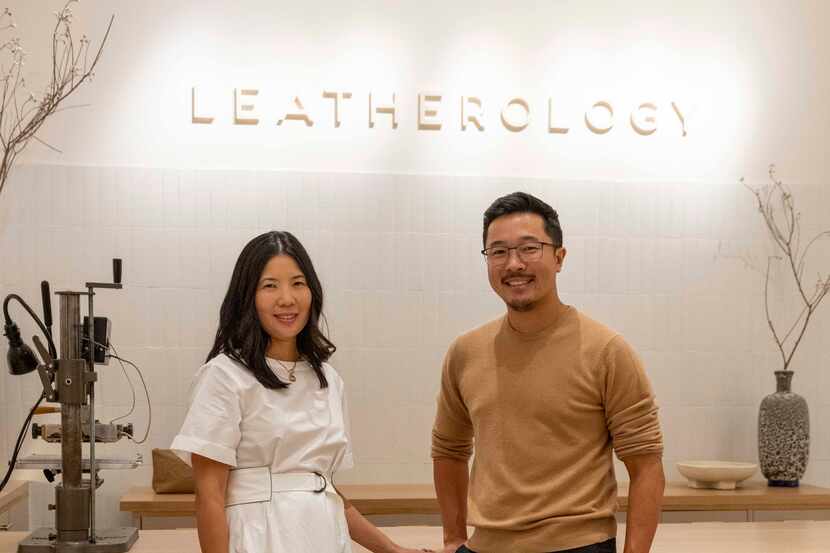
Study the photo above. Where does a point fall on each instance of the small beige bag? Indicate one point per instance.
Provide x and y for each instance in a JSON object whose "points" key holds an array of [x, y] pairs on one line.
{"points": [[171, 474]]}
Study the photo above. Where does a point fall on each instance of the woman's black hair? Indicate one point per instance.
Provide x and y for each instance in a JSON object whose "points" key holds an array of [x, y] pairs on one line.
{"points": [[240, 335]]}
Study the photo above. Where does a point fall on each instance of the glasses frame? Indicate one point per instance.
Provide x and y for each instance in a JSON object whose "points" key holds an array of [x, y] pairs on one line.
{"points": [[543, 244]]}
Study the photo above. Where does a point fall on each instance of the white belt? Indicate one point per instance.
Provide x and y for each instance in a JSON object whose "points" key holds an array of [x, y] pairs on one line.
{"points": [[257, 484]]}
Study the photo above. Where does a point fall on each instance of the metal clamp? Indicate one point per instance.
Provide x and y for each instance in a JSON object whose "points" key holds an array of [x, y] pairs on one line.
{"points": [[325, 483]]}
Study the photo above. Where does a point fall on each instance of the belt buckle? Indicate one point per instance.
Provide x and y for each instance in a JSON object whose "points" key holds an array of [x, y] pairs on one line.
{"points": [[325, 483]]}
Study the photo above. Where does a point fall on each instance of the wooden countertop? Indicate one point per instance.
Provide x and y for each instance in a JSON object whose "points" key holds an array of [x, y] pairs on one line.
{"points": [[701, 537], [384, 499], [15, 490], [753, 496]]}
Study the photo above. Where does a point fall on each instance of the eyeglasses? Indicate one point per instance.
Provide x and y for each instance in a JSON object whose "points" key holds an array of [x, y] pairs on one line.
{"points": [[527, 252]]}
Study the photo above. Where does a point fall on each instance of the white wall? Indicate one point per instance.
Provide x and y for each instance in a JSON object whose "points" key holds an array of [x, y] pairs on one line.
{"points": [[753, 71], [391, 217]]}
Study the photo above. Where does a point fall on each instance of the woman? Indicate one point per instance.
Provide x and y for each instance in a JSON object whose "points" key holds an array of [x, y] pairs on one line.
{"points": [[266, 428]]}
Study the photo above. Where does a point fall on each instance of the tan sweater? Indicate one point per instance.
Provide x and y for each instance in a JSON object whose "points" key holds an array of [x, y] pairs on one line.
{"points": [[545, 411]]}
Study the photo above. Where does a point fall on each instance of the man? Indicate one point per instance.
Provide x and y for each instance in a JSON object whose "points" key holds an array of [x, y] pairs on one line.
{"points": [[546, 393]]}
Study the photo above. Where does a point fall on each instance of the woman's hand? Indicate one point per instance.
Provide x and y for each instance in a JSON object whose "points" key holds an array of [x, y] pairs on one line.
{"points": [[451, 547], [367, 534]]}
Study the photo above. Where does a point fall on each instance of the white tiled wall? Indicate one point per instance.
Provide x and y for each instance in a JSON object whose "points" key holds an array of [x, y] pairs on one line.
{"points": [[398, 257]]}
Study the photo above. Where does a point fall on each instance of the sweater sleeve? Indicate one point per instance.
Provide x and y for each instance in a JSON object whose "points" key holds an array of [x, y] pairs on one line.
{"points": [[630, 407], [452, 433]]}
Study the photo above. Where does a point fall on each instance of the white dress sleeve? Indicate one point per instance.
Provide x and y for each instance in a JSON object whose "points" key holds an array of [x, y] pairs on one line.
{"points": [[347, 461], [212, 425]]}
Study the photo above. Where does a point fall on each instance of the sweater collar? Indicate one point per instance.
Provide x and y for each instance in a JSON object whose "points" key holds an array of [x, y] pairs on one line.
{"points": [[561, 316]]}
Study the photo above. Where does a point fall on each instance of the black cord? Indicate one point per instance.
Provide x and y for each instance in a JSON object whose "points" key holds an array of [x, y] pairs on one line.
{"points": [[20, 439], [132, 390], [52, 351], [114, 355]]}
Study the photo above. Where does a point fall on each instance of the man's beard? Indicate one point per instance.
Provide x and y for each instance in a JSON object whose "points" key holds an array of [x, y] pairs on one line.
{"points": [[521, 306]]}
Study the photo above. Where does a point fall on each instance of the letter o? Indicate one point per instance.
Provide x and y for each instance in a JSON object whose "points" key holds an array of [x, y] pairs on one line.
{"points": [[589, 118], [511, 124]]}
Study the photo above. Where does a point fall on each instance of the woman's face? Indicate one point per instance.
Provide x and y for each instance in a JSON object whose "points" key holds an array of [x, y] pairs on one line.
{"points": [[283, 302]]}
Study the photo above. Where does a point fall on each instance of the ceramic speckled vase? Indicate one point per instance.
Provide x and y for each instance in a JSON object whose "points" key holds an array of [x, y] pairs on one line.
{"points": [[783, 434]]}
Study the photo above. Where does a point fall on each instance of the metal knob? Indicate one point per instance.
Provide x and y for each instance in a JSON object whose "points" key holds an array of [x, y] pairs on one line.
{"points": [[116, 271]]}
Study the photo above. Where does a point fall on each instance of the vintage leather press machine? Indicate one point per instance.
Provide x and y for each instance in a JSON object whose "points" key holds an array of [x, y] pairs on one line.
{"points": [[69, 380]]}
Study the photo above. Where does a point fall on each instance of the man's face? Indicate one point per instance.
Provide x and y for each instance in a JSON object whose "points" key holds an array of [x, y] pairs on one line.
{"points": [[521, 283]]}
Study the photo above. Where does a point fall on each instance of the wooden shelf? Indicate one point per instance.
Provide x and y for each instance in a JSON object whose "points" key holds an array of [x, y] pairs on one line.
{"points": [[408, 499], [753, 496]]}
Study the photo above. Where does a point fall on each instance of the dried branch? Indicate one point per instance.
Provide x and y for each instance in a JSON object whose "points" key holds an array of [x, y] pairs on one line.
{"points": [[778, 342], [776, 205], [795, 324], [48, 145], [744, 257], [22, 112]]}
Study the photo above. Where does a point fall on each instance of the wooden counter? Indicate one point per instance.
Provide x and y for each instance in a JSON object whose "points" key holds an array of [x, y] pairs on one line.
{"points": [[400, 499], [14, 492], [701, 537], [753, 496]]}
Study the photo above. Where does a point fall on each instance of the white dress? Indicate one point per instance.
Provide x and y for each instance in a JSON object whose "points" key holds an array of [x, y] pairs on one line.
{"points": [[235, 420]]}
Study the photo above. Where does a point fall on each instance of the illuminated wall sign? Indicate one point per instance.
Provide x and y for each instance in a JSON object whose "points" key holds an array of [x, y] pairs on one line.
{"points": [[514, 114]]}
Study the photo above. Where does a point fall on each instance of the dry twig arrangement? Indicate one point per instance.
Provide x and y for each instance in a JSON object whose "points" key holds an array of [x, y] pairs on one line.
{"points": [[776, 204], [22, 111]]}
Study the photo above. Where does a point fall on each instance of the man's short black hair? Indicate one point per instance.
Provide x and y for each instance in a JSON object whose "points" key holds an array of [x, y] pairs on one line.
{"points": [[522, 202]]}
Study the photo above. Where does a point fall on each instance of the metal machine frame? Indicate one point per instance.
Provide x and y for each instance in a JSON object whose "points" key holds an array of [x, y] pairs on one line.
{"points": [[70, 381]]}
